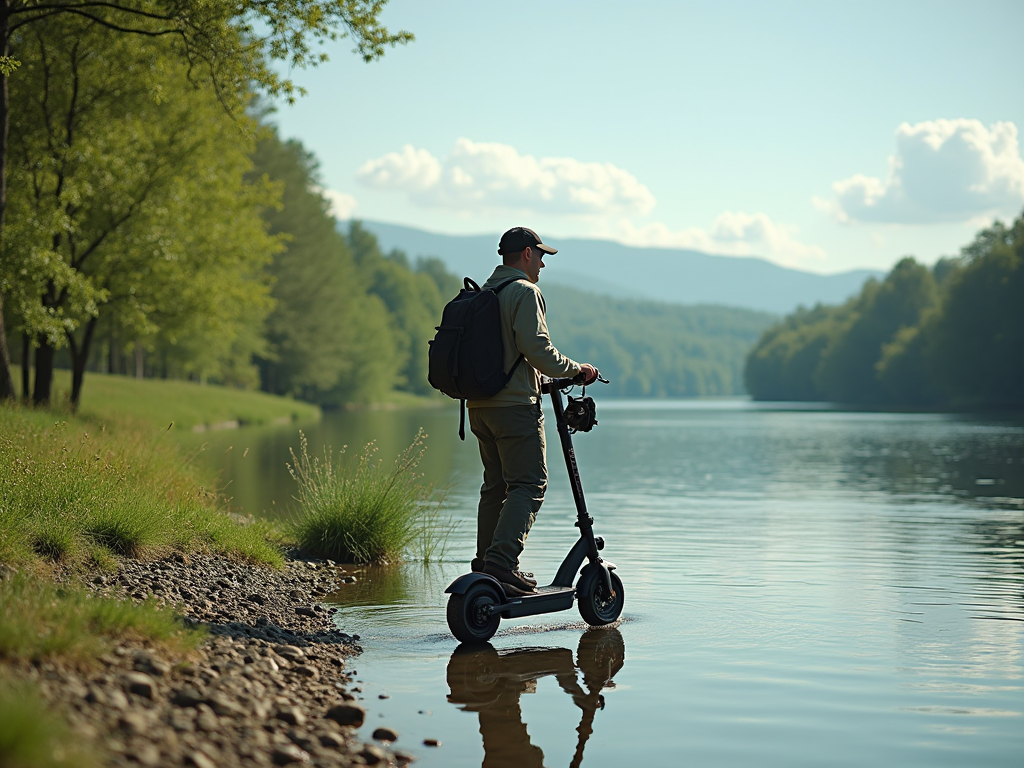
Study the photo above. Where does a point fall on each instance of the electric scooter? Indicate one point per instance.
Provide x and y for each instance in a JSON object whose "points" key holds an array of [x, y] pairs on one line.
{"points": [[478, 602]]}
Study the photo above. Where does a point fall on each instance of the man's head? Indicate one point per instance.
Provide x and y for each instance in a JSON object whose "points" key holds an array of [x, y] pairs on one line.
{"points": [[522, 249]]}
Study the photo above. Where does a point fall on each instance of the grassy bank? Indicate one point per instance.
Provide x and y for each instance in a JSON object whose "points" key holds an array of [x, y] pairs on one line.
{"points": [[159, 402], [74, 493]]}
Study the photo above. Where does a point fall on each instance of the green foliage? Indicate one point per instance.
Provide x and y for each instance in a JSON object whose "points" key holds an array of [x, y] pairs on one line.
{"points": [[361, 512], [952, 336], [42, 620], [70, 493], [647, 349], [847, 368], [32, 737], [326, 335], [128, 200], [234, 43], [413, 300]]}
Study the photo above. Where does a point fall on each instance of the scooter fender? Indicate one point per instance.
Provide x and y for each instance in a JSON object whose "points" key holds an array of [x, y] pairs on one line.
{"points": [[462, 584], [605, 569]]}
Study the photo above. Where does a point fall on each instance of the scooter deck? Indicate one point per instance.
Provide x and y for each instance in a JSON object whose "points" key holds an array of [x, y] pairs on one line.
{"points": [[545, 600]]}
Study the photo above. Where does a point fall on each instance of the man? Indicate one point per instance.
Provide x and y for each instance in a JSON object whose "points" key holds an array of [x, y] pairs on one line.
{"points": [[510, 425]]}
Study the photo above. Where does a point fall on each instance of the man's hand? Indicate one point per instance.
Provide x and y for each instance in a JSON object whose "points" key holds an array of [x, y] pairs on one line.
{"points": [[589, 373]]}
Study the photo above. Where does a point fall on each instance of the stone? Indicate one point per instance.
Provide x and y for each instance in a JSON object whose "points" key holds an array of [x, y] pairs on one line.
{"points": [[257, 599], [305, 610], [373, 754], [147, 662], [199, 760], [207, 720], [132, 723], [332, 740], [291, 715], [289, 652], [224, 705], [289, 753], [431, 743], [148, 754], [187, 697], [404, 758], [347, 714], [385, 734], [307, 671], [302, 740], [140, 684]]}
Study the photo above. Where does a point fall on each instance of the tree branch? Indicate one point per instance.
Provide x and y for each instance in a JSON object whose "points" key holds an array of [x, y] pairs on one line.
{"points": [[61, 8]]}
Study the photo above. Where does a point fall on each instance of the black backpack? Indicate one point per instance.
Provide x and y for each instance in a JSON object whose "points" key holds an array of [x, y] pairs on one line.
{"points": [[467, 356]]}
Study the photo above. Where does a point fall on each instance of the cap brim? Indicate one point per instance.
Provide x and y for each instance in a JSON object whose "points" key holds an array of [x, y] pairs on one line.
{"points": [[546, 248]]}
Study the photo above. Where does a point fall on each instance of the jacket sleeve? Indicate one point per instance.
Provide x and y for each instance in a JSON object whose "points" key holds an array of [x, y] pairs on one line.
{"points": [[532, 339]]}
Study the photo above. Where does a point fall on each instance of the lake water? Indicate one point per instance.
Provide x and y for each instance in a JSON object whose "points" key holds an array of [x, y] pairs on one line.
{"points": [[804, 587]]}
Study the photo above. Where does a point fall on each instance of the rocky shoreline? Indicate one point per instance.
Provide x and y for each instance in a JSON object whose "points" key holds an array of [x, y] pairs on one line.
{"points": [[270, 685]]}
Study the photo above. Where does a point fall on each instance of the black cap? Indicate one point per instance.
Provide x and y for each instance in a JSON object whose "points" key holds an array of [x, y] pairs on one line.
{"points": [[520, 238]]}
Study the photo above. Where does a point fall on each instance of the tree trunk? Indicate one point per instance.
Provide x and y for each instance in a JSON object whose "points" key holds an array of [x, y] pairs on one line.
{"points": [[44, 372], [140, 366], [79, 359], [26, 359], [6, 382]]}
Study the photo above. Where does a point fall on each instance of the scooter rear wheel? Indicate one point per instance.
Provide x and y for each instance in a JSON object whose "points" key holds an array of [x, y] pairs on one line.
{"points": [[468, 616], [596, 606]]}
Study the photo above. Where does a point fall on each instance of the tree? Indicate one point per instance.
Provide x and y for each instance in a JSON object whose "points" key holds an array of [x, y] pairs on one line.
{"points": [[847, 371], [129, 198], [312, 333], [976, 346], [230, 45]]}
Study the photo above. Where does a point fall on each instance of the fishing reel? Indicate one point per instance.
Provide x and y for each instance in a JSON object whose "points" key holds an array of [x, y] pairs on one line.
{"points": [[580, 413]]}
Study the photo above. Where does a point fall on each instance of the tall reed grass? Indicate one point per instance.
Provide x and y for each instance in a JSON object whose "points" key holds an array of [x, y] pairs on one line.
{"points": [[360, 511]]}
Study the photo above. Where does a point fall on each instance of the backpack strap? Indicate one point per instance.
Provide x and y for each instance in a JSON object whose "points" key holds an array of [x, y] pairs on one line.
{"points": [[496, 289], [462, 420]]}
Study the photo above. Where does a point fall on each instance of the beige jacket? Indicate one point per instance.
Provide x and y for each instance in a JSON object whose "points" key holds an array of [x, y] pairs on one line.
{"points": [[524, 330]]}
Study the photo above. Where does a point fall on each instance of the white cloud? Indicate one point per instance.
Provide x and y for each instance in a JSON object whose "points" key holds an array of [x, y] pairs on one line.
{"points": [[478, 175], [411, 169], [733, 233], [943, 170], [342, 205]]}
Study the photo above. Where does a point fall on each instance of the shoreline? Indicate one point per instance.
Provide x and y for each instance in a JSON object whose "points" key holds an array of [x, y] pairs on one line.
{"points": [[270, 684]]}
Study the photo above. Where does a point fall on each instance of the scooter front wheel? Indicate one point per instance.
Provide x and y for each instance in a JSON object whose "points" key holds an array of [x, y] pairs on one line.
{"points": [[469, 616], [596, 606]]}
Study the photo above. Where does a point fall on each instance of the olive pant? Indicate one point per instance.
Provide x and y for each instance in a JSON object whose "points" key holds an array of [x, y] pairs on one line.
{"points": [[512, 449]]}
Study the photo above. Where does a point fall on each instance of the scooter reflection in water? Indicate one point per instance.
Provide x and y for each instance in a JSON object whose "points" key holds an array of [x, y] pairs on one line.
{"points": [[490, 683]]}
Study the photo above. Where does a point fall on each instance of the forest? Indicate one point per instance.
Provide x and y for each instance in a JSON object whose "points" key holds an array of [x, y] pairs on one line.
{"points": [[951, 336]]}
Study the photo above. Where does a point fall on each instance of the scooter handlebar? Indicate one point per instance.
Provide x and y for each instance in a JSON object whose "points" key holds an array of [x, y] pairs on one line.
{"points": [[549, 385]]}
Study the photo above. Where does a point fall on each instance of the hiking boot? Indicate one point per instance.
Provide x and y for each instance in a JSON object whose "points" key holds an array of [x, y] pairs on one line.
{"points": [[513, 579]]}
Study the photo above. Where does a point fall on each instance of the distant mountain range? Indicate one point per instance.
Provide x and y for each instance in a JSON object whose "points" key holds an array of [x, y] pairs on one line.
{"points": [[661, 274]]}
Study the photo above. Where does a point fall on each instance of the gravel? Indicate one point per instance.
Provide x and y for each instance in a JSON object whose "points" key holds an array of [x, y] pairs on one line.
{"points": [[268, 686]]}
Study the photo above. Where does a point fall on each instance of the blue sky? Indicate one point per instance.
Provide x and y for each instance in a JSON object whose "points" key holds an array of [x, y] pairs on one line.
{"points": [[822, 135]]}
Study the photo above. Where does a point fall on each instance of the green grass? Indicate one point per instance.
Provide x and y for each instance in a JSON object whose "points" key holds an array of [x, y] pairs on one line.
{"points": [[75, 494], [360, 511], [42, 620], [32, 737], [158, 402]]}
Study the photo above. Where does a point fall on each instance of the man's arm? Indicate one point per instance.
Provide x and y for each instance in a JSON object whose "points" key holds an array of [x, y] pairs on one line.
{"points": [[530, 329]]}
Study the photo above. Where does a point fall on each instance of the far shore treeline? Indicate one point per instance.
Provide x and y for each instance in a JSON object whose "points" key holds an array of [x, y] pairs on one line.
{"points": [[951, 336]]}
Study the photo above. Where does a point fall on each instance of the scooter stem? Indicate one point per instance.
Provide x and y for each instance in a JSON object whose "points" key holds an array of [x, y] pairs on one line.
{"points": [[583, 519]]}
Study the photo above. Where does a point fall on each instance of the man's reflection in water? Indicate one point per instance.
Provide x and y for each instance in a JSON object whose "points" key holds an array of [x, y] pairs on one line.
{"points": [[490, 682]]}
